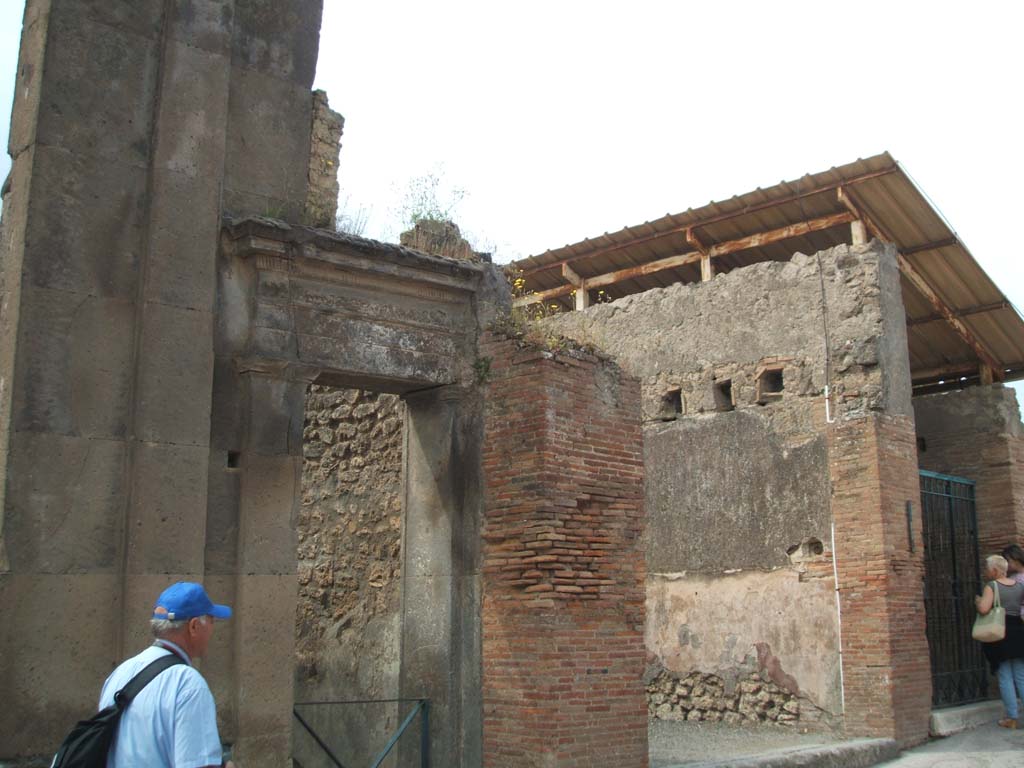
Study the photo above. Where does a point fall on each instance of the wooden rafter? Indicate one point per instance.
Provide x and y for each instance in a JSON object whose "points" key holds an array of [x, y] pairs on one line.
{"points": [[916, 279], [957, 370], [783, 233], [975, 310], [930, 246], [683, 259]]}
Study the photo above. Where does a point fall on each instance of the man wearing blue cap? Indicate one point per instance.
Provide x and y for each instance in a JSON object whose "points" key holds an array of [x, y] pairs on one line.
{"points": [[172, 722]]}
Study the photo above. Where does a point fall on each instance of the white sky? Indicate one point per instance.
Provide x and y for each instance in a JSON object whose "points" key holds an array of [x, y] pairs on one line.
{"points": [[563, 120]]}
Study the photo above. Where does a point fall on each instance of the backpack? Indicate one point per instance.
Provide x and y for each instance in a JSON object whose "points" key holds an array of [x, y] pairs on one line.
{"points": [[89, 742]]}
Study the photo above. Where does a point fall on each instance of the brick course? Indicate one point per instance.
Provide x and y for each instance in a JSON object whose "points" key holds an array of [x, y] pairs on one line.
{"points": [[563, 604]]}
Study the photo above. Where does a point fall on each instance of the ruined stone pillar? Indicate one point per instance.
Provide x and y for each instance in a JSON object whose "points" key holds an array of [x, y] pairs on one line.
{"points": [[440, 647], [564, 571]]}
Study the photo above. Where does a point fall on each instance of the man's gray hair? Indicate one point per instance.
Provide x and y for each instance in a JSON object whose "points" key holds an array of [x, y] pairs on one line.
{"points": [[164, 627]]}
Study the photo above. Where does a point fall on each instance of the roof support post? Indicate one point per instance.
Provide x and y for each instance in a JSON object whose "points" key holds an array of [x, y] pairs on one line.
{"points": [[582, 295], [862, 225], [858, 232], [707, 267], [985, 374]]}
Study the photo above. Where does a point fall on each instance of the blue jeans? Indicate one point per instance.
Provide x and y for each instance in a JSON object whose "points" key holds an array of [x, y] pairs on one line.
{"points": [[1010, 672]]}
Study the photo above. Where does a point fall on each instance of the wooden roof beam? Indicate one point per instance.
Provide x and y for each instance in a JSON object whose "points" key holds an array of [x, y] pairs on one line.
{"points": [[975, 310], [956, 370], [674, 262], [610, 278], [931, 246], [783, 233]]}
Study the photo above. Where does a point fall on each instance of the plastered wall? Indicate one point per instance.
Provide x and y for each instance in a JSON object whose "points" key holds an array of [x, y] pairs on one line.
{"points": [[349, 571]]}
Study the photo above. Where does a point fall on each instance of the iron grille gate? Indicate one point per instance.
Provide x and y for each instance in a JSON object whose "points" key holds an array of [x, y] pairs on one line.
{"points": [[952, 579]]}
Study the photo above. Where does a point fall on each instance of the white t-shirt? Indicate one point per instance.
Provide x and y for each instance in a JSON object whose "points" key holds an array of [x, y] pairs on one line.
{"points": [[172, 723]]}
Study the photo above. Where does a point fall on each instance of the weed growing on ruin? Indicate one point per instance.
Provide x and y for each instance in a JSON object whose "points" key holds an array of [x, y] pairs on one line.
{"points": [[430, 198], [525, 321], [482, 369]]}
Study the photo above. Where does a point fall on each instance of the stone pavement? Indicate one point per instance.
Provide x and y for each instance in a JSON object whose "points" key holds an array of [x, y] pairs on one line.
{"points": [[987, 746], [715, 745], [674, 744]]}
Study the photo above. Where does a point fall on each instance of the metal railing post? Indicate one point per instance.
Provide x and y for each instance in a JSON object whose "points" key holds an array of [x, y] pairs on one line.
{"points": [[425, 735]]}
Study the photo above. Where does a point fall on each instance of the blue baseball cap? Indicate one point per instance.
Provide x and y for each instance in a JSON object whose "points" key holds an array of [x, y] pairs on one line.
{"points": [[186, 600]]}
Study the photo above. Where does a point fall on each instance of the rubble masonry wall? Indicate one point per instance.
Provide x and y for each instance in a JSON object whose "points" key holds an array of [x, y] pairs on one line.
{"points": [[349, 566], [977, 433]]}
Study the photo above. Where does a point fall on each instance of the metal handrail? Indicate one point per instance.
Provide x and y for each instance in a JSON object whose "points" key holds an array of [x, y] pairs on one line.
{"points": [[422, 705], [317, 739]]}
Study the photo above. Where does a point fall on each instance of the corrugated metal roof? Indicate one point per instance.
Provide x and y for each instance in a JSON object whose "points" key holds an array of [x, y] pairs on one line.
{"points": [[887, 196]]}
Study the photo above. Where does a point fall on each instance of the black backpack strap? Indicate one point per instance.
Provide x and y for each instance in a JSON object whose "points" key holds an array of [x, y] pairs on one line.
{"points": [[124, 697]]}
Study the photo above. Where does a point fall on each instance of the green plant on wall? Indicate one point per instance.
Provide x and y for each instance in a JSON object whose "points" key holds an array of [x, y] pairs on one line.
{"points": [[524, 322], [429, 198], [482, 369]]}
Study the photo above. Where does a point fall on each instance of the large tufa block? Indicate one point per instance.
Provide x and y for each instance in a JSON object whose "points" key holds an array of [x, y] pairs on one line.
{"points": [[277, 39], [114, 121], [84, 236], [267, 146], [175, 375], [74, 357], [64, 505], [71, 622], [167, 530]]}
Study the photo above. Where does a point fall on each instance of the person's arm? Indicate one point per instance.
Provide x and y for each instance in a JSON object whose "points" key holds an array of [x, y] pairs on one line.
{"points": [[984, 603]]}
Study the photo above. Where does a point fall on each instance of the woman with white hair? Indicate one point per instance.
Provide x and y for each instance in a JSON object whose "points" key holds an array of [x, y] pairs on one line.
{"points": [[1006, 657]]}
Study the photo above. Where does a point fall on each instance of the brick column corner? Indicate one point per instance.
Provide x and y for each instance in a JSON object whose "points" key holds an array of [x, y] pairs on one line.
{"points": [[564, 569], [886, 668]]}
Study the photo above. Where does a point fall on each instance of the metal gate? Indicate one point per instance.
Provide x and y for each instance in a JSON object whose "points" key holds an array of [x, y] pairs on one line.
{"points": [[952, 579]]}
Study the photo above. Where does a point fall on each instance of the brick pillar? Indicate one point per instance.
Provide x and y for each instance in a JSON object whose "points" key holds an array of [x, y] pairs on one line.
{"points": [[564, 570], [873, 466]]}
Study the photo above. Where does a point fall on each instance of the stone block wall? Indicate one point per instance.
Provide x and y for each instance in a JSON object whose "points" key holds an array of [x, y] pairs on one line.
{"points": [[977, 433], [738, 452], [563, 565], [349, 565]]}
